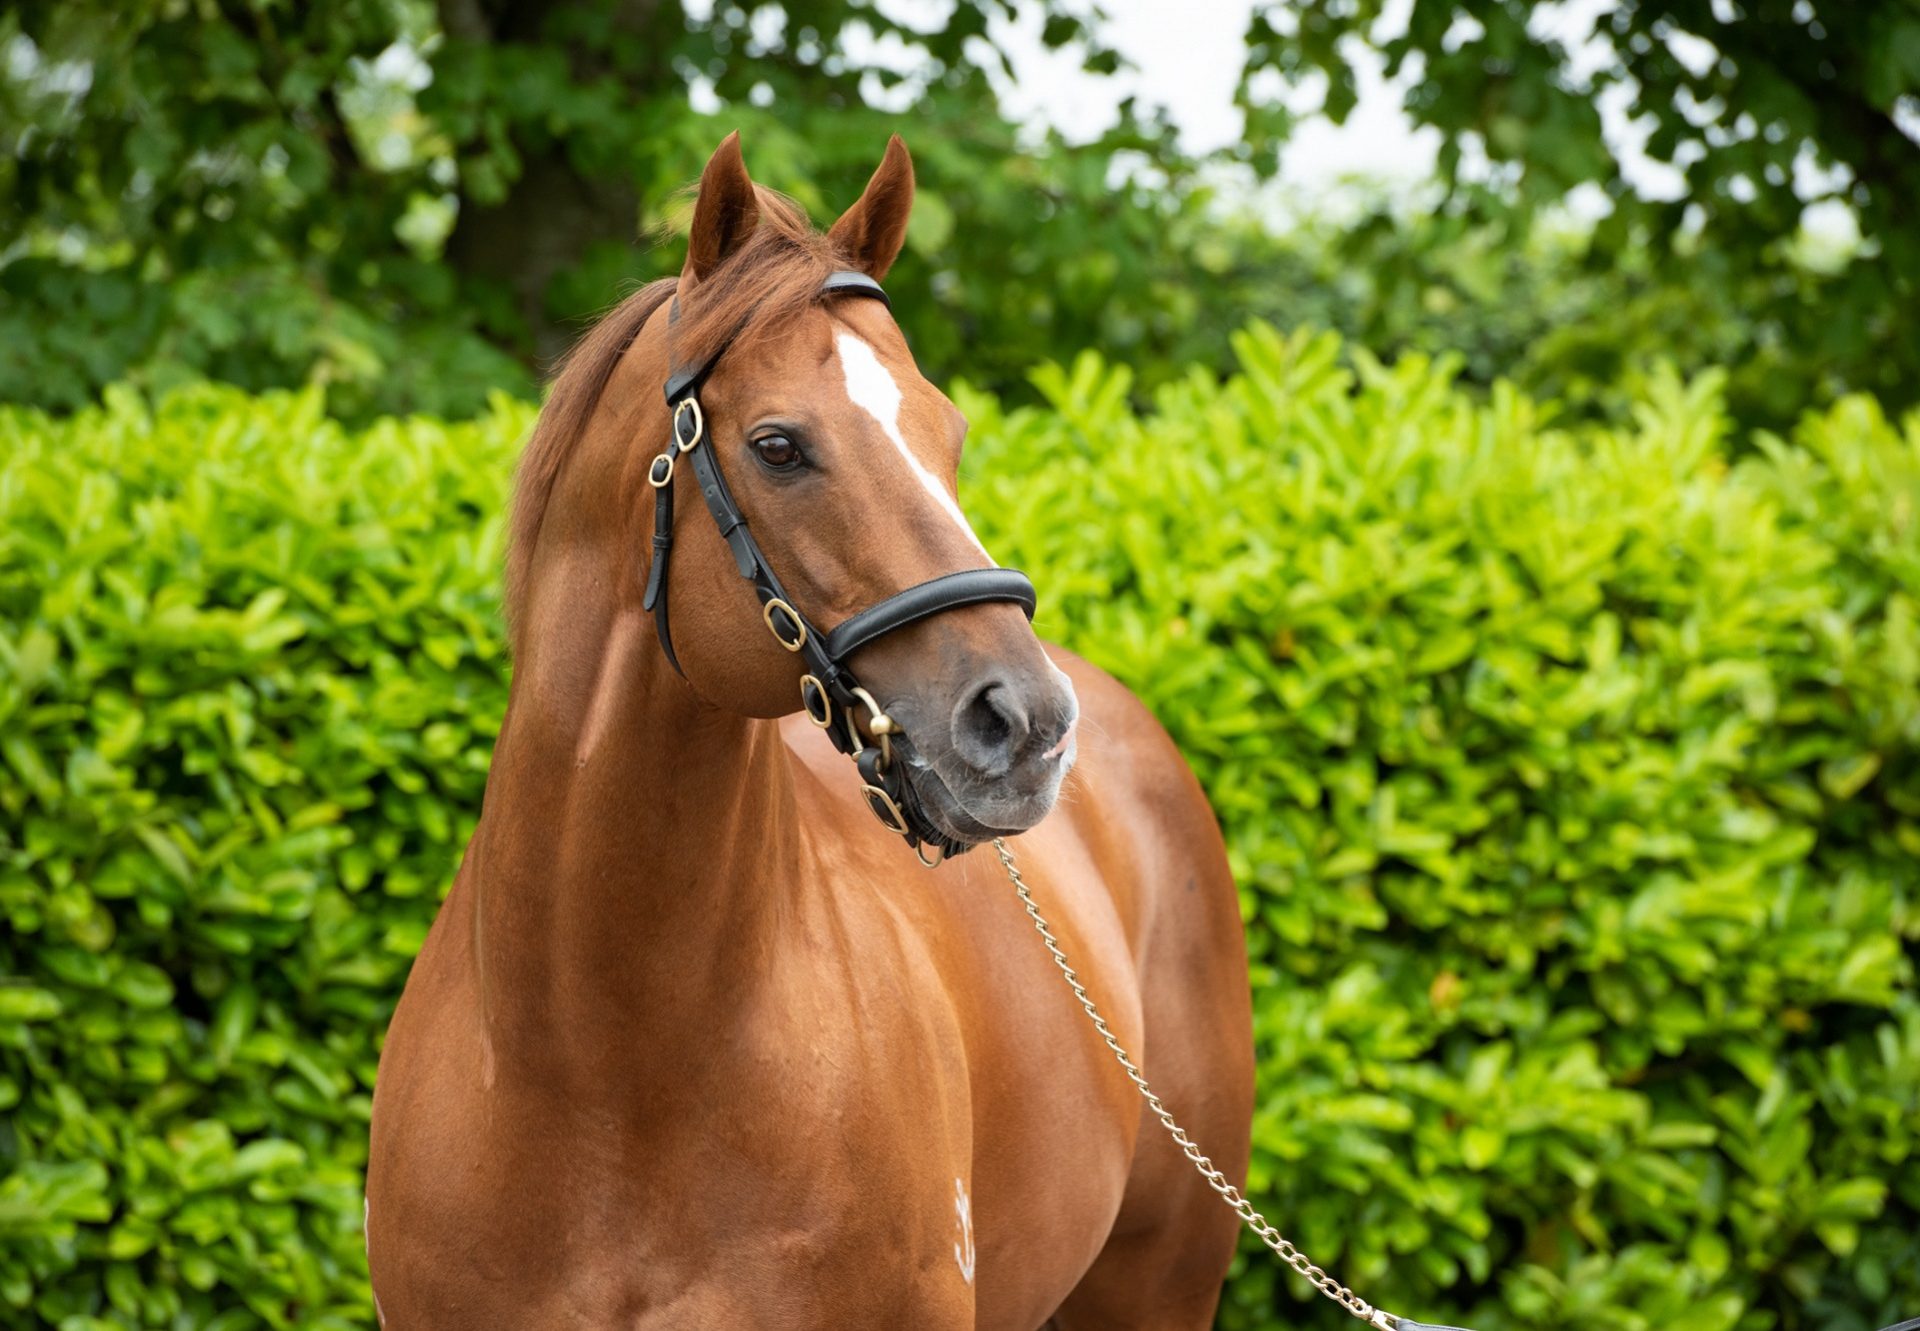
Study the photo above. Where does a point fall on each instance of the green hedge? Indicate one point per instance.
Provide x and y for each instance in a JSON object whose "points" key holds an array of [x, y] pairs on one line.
{"points": [[1570, 780], [250, 674]]}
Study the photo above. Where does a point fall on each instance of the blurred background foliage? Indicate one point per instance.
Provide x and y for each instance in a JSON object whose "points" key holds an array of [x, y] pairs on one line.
{"points": [[1548, 649], [412, 203]]}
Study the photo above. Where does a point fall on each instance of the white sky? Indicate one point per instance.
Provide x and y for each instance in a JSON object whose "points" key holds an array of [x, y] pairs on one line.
{"points": [[1187, 56]]}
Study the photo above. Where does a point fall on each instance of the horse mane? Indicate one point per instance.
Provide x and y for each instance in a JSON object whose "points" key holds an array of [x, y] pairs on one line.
{"points": [[772, 277]]}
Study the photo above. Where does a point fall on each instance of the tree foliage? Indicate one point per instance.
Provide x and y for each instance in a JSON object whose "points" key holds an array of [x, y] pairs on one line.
{"points": [[415, 204], [1764, 107]]}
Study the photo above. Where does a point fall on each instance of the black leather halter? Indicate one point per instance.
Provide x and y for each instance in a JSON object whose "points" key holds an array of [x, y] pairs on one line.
{"points": [[829, 692]]}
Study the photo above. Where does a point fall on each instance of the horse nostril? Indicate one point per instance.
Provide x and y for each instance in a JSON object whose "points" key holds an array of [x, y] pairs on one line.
{"points": [[989, 727]]}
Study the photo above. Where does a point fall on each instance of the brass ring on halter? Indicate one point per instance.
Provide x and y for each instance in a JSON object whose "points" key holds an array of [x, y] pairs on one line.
{"points": [[689, 407], [920, 853], [881, 724], [811, 689], [793, 617], [661, 472], [859, 741], [877, 800]]}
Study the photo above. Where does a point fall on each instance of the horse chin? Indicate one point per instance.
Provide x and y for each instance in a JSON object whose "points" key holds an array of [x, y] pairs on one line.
{"points": [[979, 811]]}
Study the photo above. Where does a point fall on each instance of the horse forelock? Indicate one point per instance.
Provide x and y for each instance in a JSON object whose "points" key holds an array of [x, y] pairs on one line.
{"points": [[774, 276]]}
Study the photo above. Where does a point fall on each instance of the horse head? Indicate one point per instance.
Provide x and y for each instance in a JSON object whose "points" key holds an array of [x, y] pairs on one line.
{"points": [[840, 458]]}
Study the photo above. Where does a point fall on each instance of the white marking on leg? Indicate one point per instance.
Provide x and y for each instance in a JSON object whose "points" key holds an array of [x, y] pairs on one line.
{"points": [[366, 1239], [874, 390], [963, 1252]]}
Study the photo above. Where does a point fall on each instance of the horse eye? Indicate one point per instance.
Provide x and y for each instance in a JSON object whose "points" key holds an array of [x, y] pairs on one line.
{"points": [[777, 451]]}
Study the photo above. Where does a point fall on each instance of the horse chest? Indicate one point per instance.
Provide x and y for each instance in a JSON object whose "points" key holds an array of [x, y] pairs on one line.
{"points": [[780, 1150], [884, 1113]]}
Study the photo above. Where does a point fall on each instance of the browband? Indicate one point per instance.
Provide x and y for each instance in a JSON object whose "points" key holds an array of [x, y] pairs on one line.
{"points": [[688, 378]]}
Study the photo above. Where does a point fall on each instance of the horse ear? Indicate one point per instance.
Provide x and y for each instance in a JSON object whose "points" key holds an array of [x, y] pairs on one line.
{"points": [[872, 231], [726, 213]]}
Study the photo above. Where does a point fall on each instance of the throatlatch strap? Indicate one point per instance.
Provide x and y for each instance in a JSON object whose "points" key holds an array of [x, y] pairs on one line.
{"points": [[656, 597]]}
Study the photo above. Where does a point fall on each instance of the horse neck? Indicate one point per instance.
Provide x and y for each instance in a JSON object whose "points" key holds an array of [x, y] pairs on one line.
{"points": [[620, 870]]}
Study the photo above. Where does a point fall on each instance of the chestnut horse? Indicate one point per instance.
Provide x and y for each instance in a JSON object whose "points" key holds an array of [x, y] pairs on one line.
{"points": [[694, 1041]]}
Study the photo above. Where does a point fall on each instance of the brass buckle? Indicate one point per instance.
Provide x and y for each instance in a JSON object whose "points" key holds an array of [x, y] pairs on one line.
{"points": [[825, 716], [689, 406], [920, 853], [657, 476], [899, 821], [793, 617]]}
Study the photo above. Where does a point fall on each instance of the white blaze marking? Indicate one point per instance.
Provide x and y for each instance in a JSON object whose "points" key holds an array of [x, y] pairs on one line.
{"points": [[963, 1250], [874, 390]]}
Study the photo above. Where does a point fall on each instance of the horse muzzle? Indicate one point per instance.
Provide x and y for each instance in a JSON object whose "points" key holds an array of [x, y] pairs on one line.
{"points": [[990, 763]]}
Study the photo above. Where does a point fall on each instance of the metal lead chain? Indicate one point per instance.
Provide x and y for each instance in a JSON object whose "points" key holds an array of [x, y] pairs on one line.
{"points": [[1218, 1181]]}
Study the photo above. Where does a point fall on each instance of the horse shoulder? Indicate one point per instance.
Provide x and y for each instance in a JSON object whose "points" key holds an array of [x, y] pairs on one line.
{"points": [[1136, 803]]}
